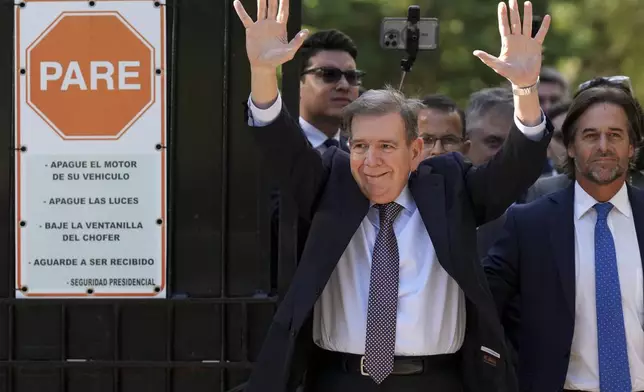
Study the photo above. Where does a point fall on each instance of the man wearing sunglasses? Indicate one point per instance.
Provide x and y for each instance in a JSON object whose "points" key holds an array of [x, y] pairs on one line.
{"points": [[329, 81]]}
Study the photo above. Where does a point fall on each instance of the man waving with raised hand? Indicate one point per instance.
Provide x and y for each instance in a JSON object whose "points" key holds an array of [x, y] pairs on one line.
{"points": [[389, 294]]}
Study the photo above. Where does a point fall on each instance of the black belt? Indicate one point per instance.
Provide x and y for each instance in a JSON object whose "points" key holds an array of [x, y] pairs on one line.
{"points": [[403, 366]]}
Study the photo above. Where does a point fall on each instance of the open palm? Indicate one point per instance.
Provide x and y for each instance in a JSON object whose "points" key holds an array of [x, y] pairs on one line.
{"points": [[267, 44], [520, 57]]}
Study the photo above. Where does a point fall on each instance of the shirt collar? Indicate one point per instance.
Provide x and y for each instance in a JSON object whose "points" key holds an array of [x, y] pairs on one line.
{"points": [[315, 136], [584, 202], [405, 199]]}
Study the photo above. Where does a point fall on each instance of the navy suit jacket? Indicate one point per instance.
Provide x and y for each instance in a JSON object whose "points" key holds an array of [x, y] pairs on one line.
{"points": [[453, 198], [302, 226], [535, 258]]}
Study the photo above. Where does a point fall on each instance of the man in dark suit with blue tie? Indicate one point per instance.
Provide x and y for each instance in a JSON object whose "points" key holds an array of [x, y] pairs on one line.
{"points": [[575, 258], [389, 294]]}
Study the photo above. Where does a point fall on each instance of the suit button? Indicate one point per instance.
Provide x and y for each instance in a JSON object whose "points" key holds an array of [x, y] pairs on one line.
{"points": [[293, 333]]}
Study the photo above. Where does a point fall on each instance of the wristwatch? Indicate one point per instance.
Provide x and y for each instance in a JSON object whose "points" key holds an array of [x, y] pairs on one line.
{"points": [[525, 90]]}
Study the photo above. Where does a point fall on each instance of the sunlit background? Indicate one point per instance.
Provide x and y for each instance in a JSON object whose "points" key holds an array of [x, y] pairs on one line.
{"points": [[587, 38]]}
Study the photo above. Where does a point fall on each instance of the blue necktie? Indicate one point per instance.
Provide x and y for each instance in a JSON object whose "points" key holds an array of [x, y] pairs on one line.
{"points": [[614, 372]]}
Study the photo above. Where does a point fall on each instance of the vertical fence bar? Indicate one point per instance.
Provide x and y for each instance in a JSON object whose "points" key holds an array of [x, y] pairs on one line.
{"points": [[10, 251], [169, 345], [245, 333], [117, 346], [10, 337], [170, 149], [224, 191], [172, 6], [8, 20]]}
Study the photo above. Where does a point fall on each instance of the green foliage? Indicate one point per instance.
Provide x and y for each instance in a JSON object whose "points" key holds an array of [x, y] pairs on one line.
{"points": [[587, 38], [602, 38]]}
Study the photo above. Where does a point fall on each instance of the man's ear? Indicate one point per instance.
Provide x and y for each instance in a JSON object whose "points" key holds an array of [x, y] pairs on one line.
{"points": [[466, 147], [416, 152]]}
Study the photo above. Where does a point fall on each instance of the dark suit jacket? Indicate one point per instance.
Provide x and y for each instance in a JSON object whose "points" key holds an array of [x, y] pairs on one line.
{"points": [[302, 226], [491, 232], [486, 237], [536, 258], [488, 234], [547, 185], [453, 199]]}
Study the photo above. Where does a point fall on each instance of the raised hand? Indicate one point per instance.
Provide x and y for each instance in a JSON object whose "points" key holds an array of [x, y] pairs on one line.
{"points": [[520, 58], [267, 43]]}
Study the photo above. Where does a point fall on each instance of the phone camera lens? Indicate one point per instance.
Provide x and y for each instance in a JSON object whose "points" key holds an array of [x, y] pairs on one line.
{"points": [[391, 36], [394, 44], [387, 43]]}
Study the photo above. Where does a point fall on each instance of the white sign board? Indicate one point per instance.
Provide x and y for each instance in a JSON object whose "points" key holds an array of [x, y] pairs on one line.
{"points": [[90, 140]]}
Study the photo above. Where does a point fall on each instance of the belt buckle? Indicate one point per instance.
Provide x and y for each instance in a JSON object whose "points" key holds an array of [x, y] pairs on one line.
{"points": [[363, 371]]}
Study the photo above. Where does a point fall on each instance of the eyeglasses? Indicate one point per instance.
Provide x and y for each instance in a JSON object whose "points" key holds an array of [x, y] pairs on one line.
{"points": [[618, 80], [449, 142], [333, 75]]}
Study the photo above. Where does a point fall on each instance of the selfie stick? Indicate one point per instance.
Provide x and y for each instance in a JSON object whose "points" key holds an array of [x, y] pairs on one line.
{"points": [[411, 41]]}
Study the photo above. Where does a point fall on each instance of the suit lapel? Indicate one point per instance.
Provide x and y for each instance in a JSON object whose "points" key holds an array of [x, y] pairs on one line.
{"points": [[428, 191], [341, 227], [636, 197], [637, 180], [335, 222], [562, 241]]}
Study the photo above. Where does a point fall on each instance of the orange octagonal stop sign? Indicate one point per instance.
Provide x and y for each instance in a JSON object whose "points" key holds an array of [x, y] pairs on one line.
{"points": [[90, 75]]}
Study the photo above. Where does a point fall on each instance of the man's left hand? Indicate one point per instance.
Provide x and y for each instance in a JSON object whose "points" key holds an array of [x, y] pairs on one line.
{"points": [[520, 58]]}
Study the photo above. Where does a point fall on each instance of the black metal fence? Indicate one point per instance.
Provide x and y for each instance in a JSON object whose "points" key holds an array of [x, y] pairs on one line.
{"points": [[223, 288]]}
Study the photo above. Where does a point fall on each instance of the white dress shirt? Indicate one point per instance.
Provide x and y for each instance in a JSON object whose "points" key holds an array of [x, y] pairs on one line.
{"points": [[583, 370], [425, 290], [431, 305], [315, 136]]}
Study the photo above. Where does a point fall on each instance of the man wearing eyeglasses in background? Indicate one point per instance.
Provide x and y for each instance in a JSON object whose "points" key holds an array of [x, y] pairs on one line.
{"points": [[441, 124]]}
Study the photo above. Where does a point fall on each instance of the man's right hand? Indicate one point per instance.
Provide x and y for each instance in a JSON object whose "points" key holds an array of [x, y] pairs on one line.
{"points": [[267, 46], [266, 39]]}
